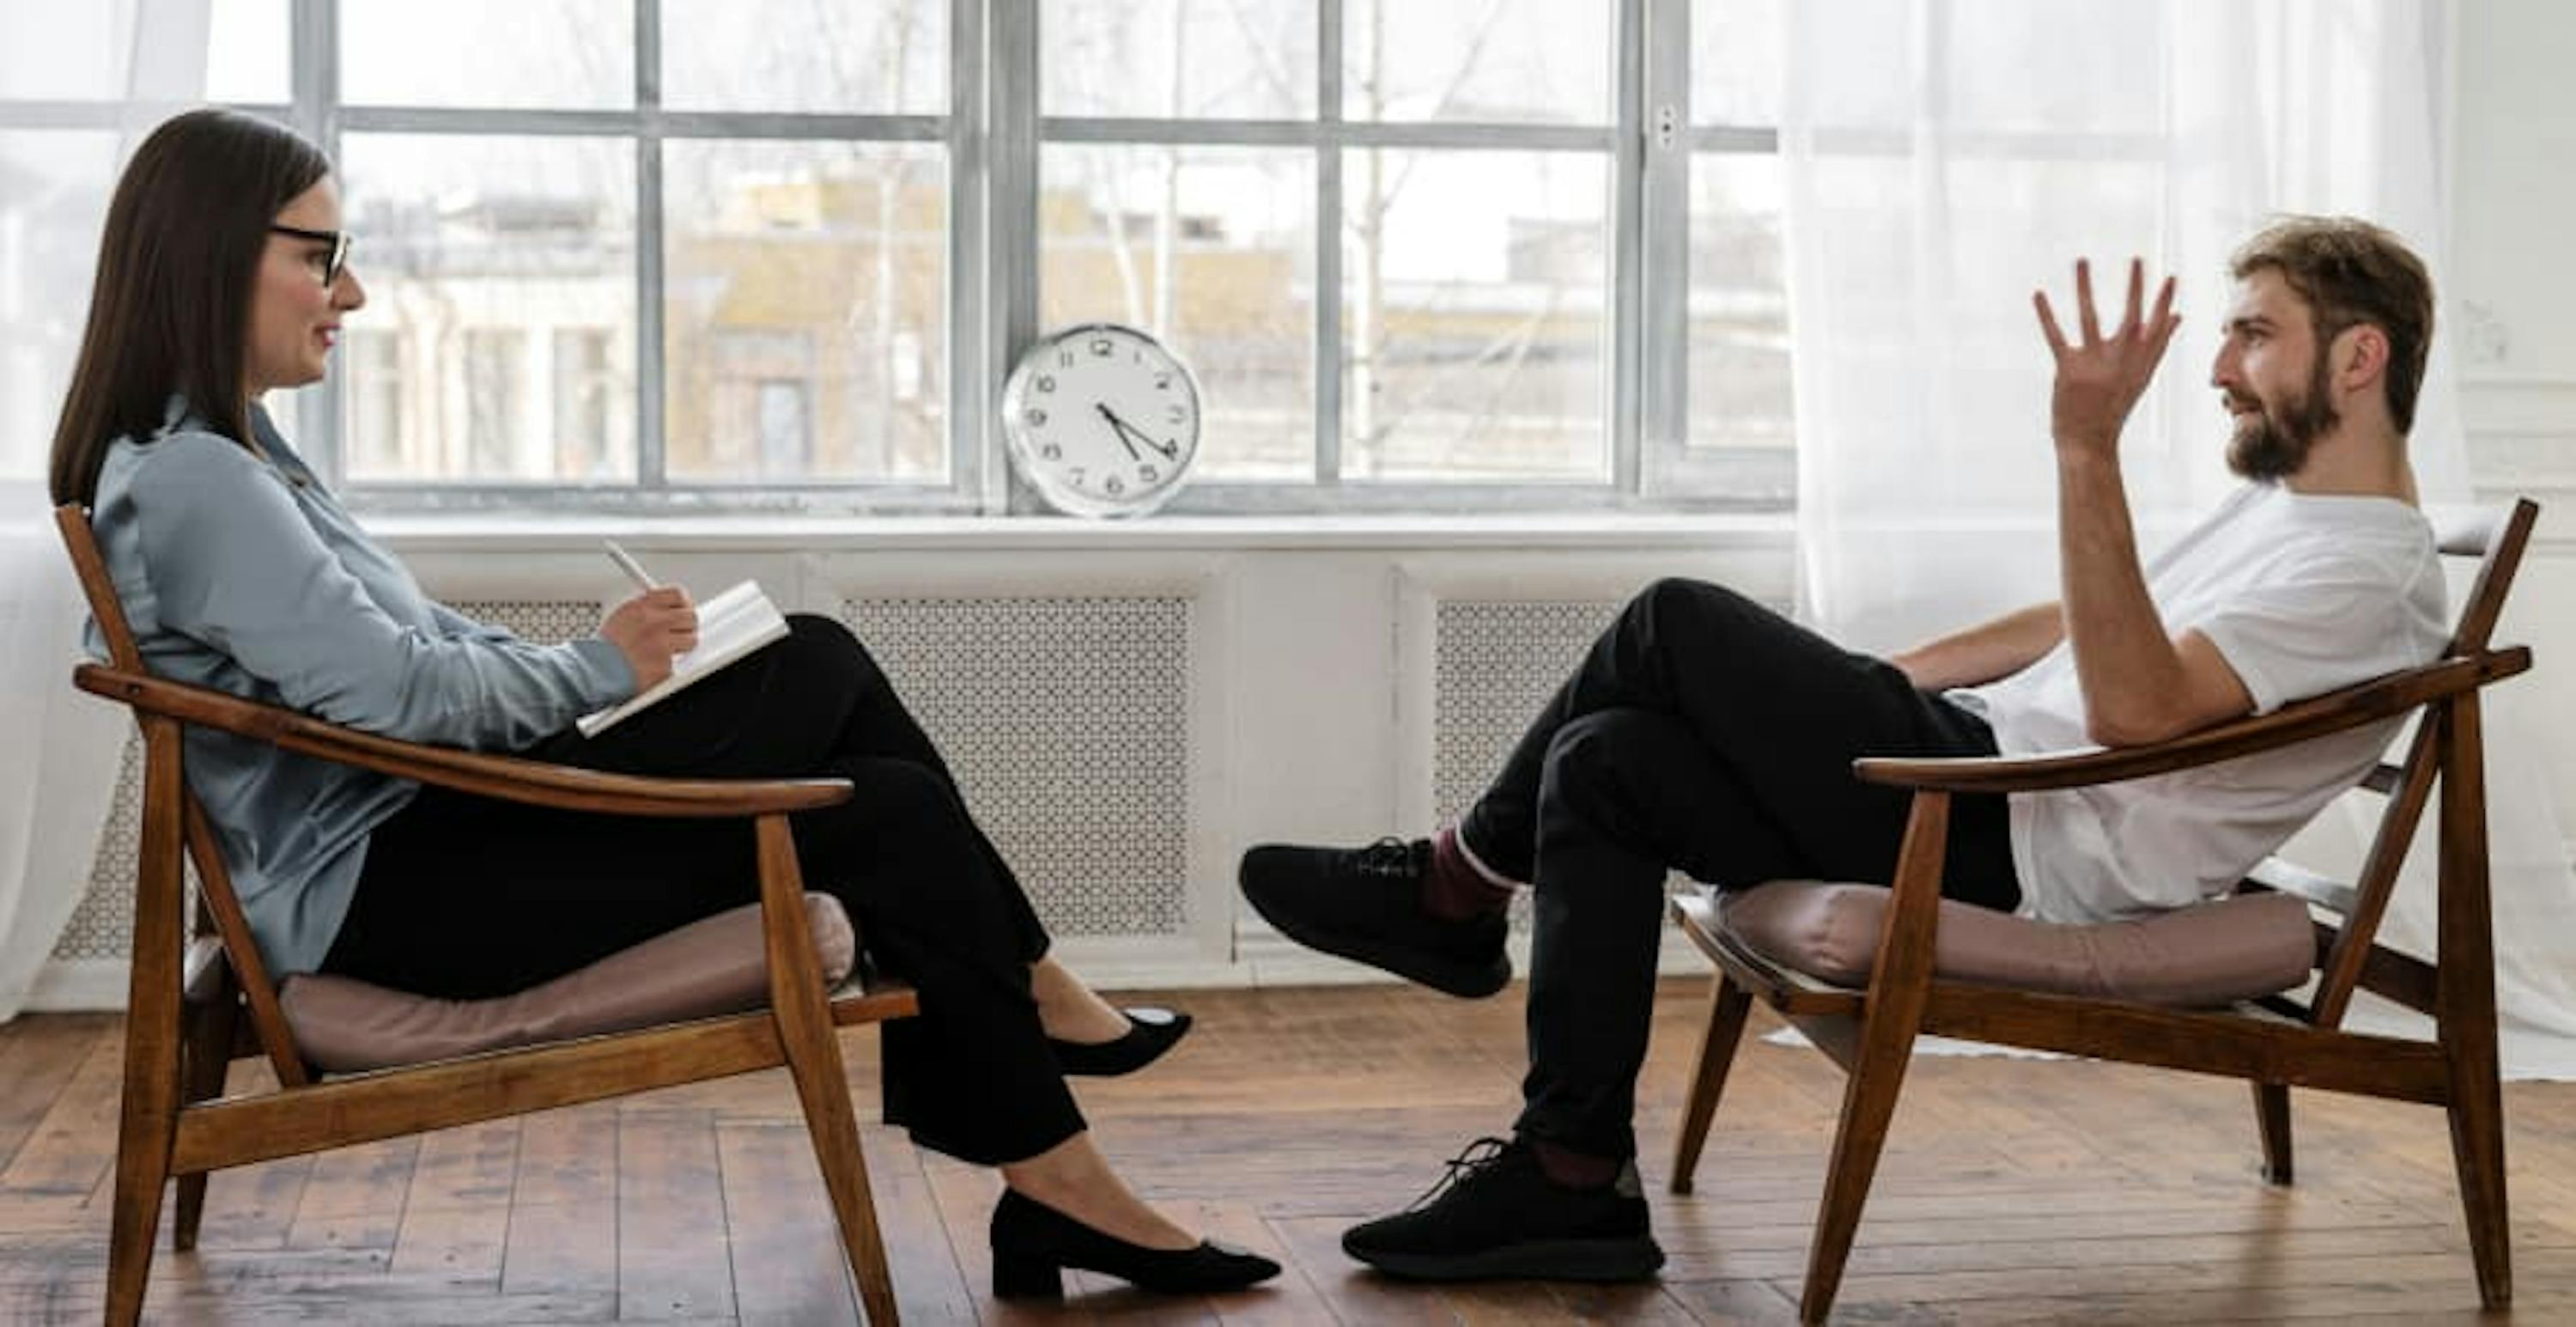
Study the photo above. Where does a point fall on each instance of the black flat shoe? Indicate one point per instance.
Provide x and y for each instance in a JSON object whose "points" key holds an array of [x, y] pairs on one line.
{"points": [[1150, 1032], [1033, 1244]]}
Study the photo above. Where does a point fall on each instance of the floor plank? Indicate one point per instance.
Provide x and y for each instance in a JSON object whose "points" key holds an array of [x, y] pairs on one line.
{"points": [[73, 1142], [563, 1204], [672, 1246], [37, 1059]]}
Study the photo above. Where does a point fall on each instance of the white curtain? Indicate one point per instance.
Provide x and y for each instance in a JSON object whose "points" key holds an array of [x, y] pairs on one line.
{"points": [[127, 64], [1943, 159]]}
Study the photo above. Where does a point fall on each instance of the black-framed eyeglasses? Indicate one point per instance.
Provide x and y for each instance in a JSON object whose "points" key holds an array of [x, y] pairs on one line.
{"points": [[339, 241]]}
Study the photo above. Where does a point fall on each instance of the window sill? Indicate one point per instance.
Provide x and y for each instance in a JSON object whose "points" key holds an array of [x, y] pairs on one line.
{"points": [[470, 531]]}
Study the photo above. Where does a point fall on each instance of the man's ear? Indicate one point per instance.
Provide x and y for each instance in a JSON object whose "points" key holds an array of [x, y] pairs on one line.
{"points": [[2360, 356]]}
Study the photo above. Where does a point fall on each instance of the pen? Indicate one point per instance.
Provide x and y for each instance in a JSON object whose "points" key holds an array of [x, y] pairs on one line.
{"points": [[626, 563]]}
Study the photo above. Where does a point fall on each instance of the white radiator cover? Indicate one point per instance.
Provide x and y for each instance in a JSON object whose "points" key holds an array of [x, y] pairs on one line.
{"points": [[1066, 722]]}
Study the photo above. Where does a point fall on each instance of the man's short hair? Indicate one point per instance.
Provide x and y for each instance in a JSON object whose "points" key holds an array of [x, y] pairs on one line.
{"points": [[2352, 272]]}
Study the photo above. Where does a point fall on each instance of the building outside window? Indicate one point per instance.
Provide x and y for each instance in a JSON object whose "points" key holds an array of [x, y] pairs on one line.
{"points": [[786, 440], [494, 393], [584, 391], [377, 440]]}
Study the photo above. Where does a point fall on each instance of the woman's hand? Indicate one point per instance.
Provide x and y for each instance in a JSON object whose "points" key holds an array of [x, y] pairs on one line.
{"points": [[650, 628]]}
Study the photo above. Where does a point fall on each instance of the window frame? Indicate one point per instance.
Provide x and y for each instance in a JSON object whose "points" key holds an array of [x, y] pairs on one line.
{"points": [[993, 130]]}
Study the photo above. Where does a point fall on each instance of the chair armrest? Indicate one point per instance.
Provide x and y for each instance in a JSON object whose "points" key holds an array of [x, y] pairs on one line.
{"points": [[509, 778], [2363, 703]]}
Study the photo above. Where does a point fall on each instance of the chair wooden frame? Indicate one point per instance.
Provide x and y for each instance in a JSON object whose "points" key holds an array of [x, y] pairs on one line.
{"points": [[2273, 1043], [197, 1002]]}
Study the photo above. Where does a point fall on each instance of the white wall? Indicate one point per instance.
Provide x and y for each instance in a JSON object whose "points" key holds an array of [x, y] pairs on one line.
{"points": [[2510, 312]]}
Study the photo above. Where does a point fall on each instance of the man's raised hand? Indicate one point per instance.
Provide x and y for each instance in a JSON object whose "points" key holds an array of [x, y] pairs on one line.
{"points": [[2099, 378]]}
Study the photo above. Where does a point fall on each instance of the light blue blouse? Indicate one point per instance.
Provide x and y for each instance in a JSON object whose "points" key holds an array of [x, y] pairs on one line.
{"points": [[242, 573]]}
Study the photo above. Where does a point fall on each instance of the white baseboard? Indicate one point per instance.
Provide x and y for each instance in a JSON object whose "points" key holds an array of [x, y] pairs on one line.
{"points": [[72, 984]]}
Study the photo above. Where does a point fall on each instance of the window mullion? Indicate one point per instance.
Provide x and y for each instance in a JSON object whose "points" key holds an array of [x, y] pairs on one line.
{"points": [[651, 458], [972, 379], [1627, 250], [1664, 303], [1327, 302], [314, 77], [1012, 228]]}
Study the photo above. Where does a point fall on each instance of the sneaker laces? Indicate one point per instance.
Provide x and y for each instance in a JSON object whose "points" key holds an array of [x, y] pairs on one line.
{"points": [[1472, 1160], [1389, 857]]}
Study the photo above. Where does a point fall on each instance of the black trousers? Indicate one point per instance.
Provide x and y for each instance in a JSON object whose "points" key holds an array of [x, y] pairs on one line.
{"points": [[465, 897], [1705, 733]]}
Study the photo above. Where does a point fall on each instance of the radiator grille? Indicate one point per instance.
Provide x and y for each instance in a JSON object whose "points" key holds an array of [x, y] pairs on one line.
{"points": [[1494, 664], [102, 927], [545, 621], [1066, 721]]}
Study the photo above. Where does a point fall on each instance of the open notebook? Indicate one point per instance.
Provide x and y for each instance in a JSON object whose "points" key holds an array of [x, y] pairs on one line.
{"points": [[730, 626]]}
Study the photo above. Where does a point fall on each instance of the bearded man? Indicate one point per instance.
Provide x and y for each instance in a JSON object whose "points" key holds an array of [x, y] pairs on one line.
{"points": [[1706, 733]]}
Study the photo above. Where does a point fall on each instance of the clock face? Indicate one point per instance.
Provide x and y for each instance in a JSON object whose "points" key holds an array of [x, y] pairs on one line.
{"points": [[1102, 420]]}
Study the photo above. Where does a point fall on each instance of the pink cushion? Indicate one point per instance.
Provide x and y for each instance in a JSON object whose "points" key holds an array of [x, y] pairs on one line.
{"points": [[715, 966], [2231, 949]]}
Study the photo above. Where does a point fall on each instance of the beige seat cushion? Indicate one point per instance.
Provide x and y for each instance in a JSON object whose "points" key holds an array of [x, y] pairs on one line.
{"points": [[715, 966], [2231, 949]]}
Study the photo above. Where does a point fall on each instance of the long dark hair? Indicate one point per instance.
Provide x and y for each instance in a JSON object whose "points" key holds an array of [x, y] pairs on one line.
{"points": [[170, 309]]}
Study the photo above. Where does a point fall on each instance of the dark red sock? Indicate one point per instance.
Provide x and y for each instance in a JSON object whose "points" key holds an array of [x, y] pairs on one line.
{"points": [[1453, 889], [1574, 1170]]}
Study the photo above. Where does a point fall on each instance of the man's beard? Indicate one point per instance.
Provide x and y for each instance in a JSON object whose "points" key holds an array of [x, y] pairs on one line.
{"points": [[2272, 444]]}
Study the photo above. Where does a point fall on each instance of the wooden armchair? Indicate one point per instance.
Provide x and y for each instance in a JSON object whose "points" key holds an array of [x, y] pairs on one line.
{"points": [[2273, 1042], [192, 987]]}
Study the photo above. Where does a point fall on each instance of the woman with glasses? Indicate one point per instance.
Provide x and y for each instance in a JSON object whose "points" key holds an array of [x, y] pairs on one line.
{"points": [[224, 274]]}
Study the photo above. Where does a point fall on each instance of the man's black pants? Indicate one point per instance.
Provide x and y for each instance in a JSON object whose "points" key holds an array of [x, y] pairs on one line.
{"points": [[1705, 733]]}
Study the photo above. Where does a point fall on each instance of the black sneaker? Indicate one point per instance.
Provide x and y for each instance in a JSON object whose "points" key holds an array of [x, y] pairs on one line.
{"points": [[1497, 1216], [1366, 904]]}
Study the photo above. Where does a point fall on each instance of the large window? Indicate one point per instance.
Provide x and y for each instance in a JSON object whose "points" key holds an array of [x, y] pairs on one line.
{"points": [[1447, 255]]}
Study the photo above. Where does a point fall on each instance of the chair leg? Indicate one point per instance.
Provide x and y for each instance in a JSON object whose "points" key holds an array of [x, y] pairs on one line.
{"points": [[834, 1128], [1869, 1102], [2272, 1116], [813, 1048], [142, 1169], [2477, 1151], [2465, 1004], [1727, 1006], [149, 1119], [1900, 987], [207, 1057]]}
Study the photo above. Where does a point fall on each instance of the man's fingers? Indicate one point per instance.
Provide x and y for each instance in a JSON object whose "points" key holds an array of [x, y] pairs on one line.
{"points": [[2048, 323], [2086, 317], [2137, 297], [2169, 323], [2164, 303]]}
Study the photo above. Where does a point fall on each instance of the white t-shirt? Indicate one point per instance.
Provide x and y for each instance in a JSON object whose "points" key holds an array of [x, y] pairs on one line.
{"points": [[2301, 595]]}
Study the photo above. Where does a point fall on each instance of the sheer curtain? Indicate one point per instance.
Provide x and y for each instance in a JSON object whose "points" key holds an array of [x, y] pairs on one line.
{"points": [[1943, 159], [108, 71]]}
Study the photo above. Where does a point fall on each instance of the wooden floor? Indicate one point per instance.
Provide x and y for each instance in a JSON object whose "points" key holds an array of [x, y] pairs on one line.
{"points": [[2013, 1191]]}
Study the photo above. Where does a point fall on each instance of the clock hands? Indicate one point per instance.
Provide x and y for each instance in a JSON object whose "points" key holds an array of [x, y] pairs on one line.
{"points": [[1129, 435], [1117, 429]]}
